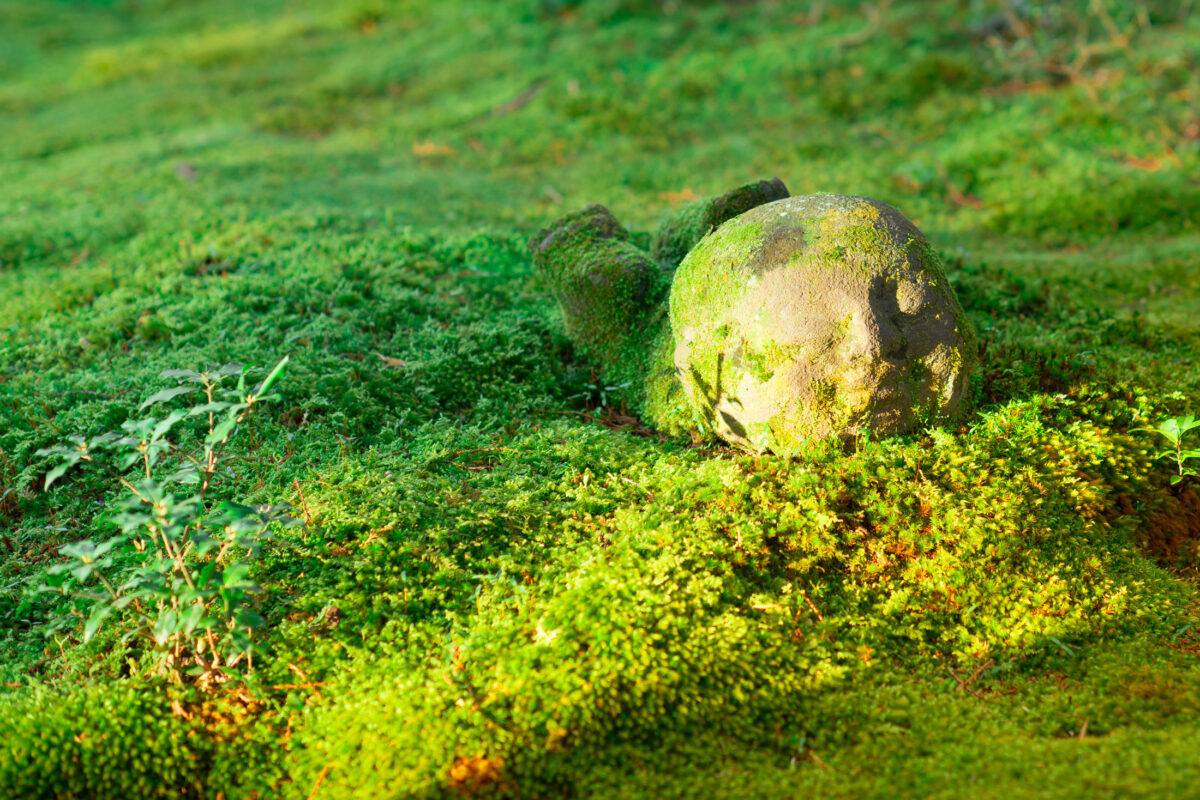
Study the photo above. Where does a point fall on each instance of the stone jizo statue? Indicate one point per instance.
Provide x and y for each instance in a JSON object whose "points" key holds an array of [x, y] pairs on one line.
{"points": [[766, 319]]}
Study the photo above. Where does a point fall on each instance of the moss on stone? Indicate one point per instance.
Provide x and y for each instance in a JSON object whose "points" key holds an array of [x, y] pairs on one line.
{"points": [[796, 319], [663, 402], [613, 297], [681, 232], [606, 286]]}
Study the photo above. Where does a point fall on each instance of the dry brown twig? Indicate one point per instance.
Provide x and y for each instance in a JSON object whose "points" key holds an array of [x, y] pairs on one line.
{"points": [[320, 780], [964, 684]]}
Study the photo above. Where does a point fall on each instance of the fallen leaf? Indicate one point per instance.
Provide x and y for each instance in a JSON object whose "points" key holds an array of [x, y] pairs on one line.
{"points": [[1150, 164], [432, 149], [392, 362], [674, 198]]}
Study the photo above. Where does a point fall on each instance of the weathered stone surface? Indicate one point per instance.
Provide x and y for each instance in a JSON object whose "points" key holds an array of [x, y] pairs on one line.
{"points": [[817, 315]]}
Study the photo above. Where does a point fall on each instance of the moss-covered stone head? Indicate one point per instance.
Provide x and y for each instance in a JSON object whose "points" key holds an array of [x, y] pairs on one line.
{"points": [[817, 315]]}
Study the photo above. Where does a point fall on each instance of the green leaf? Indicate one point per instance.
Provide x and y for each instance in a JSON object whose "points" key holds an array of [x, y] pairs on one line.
{"points": [[166, 626], [271, 377], [84, 550], [164, 427], [228, 511], [186, 475], [221, 431], [209, 408], [235, 574], [241, 642], [151, 489], [83, 571], [107, 545], [130, 523], [250, 619], [57, 624], [139, 427], [165, 395], [185, 374], [190, 618], [203, 545], [100, 612], [53, 475], [206, 573]]}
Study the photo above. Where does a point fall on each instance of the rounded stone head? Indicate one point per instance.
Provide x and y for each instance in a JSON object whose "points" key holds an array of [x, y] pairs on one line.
{"points": [[817, 315]]}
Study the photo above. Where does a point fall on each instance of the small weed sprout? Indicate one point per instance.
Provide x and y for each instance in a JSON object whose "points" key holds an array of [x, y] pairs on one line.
{"points": [[597, 394], [172, 572], [1186, 459]]}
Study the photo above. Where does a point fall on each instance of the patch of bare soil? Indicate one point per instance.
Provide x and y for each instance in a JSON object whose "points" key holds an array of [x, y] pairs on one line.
{"points": [[1172, 534]]}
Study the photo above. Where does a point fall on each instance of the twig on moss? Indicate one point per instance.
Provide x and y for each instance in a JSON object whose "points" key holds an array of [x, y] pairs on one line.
{"points": [[815, 610], [320, 779], [303, 504], [964, 684]]}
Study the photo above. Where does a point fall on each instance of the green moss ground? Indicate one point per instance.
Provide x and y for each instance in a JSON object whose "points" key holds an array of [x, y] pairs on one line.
{"points": [[534, 597]]}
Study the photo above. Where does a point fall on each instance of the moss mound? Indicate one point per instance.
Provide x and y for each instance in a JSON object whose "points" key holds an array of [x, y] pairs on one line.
{"points": [[612, 296]]}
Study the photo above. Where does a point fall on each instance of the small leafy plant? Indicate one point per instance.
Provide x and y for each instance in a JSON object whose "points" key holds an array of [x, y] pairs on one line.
{"points": [[597, 394], [176, 573], [1186, 459]]}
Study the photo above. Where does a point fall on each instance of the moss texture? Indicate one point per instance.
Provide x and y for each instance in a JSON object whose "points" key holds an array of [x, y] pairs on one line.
{"points": [[497, 593], [606, 286]]}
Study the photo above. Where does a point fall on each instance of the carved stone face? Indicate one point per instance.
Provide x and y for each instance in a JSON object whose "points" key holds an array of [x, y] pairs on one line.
{"points": [[817, 315]]}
